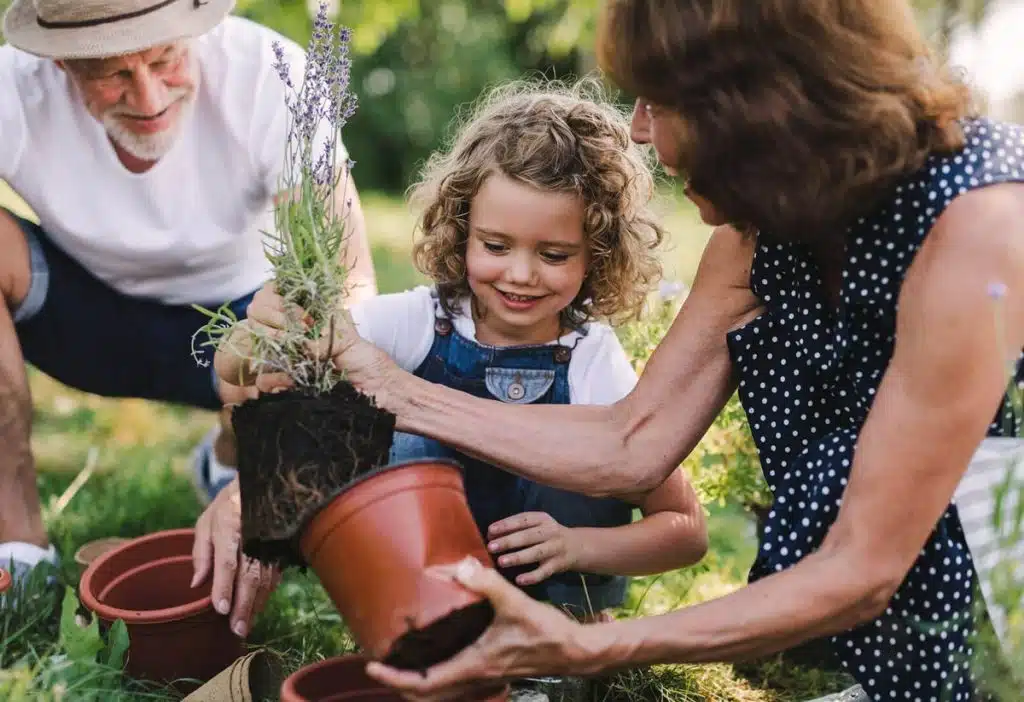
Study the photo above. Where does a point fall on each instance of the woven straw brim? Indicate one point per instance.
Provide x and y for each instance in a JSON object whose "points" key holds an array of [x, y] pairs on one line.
{"points": [[178, 20]]}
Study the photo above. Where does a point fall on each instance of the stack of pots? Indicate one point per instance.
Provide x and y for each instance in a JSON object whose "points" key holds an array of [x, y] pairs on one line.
{"points": [[174, 632]]}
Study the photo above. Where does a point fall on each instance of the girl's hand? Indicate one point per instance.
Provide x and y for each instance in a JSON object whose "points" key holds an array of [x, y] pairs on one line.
{"points": [[534, 537], [527, 638]]}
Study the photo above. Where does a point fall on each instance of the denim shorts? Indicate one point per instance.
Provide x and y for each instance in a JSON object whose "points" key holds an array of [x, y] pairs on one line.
{"points": [[80, 331]]}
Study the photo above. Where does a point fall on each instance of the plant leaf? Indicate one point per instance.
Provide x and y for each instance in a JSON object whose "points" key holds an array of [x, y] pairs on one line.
{"points": [[81, 643], [117, 640]]}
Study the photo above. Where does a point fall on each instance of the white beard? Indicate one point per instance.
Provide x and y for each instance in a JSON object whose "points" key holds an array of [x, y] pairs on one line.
{"points": [[150, 147]]}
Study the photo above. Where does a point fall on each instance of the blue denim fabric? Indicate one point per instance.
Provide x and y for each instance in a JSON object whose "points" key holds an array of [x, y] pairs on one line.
{"points": [[520, 374], [77, 329]]}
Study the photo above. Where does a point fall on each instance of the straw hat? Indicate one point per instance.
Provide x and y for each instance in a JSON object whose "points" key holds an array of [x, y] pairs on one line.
{"points": [[67, 29]]}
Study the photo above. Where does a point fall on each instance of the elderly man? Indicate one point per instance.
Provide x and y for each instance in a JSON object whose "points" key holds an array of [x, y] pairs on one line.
{"points": [[148, 137]]}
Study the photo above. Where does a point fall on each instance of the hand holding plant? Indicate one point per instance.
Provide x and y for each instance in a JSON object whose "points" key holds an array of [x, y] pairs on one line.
{"points": [[363, 364], [307, 244], [535, 537]]}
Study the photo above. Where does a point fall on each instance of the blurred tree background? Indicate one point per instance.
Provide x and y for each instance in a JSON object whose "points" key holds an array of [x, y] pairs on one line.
{"points": [[416, 62]]}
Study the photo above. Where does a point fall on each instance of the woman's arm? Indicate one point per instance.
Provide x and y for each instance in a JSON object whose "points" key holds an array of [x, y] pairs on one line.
{"points": [[932, 410], [672, 534], [628, 447]]}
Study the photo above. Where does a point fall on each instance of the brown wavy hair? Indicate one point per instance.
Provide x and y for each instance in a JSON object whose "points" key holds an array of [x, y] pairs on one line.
{"points": [[559, 138], [797, 115]]}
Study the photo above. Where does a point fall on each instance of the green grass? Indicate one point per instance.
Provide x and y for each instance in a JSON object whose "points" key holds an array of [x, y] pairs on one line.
{"points": [[138, 453]]}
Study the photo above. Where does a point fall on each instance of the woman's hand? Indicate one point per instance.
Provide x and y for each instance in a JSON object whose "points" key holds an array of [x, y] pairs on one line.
{"points": [[241, 585], [527, 638], [534, 537]]}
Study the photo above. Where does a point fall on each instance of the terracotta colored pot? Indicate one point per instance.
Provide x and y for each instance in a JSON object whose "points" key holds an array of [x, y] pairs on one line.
{"points": [[5, 580], [344, 679], [371, 548], [174, 631], [89, 552]]}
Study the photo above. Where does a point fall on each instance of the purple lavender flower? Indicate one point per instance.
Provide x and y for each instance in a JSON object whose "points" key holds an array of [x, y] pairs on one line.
{"points": [[323, 97]]}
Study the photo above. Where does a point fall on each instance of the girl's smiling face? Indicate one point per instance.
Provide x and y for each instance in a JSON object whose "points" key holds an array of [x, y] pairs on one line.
{"points": [[526, 260]]}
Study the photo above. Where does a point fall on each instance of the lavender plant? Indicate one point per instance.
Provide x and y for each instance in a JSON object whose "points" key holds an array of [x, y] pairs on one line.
{"points": [[306, 248]]}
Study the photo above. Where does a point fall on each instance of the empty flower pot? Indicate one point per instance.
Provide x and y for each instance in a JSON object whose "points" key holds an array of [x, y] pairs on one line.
{"points": [[89, 552], [344, 679], [173, 630], [374, 548], [5, 580]]}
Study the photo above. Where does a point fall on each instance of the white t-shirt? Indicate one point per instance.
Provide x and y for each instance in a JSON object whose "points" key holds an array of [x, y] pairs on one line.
{"points": [[402, 325], [190, 228]]}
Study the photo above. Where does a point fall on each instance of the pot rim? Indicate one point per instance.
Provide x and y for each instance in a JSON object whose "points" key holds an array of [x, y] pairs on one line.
{"points": [[397, 465], [289, 685], [369, 475], [91, 600], [96, 543], [5, 580]]}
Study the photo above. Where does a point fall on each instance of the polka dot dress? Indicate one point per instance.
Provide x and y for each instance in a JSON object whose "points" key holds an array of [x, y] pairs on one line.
{"points": [[808, 374]]}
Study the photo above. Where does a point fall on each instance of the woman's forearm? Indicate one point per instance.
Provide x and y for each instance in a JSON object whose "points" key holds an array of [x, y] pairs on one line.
{"points": [[609, 450], [823, 595], [576, 447], [655, 544]]}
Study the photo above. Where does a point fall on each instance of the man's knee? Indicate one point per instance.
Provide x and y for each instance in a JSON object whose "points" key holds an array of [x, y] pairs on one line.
{"points": [[15, 264]]}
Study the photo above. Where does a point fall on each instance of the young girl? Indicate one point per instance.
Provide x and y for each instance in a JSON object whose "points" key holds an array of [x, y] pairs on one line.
{"points": [[533, 225]]}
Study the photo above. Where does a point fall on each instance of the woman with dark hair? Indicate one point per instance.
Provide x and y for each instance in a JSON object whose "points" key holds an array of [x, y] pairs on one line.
{"points": [[863, 215]]}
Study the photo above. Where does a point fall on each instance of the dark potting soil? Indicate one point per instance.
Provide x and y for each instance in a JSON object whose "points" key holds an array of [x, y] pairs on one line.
{"points": [[419, 649], [296, 451]]}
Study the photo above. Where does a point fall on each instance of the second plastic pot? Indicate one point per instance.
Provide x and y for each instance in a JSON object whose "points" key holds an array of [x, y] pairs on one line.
{"points": [[375, 548], [173, 630], [344, 679]]}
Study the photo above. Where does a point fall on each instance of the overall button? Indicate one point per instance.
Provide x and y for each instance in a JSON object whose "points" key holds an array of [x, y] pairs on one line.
{"points": [[516, 391], [443, 326], [562, 354]]}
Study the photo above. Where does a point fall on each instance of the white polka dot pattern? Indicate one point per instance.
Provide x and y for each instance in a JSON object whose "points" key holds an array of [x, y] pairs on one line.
{"points": [[808, 376]]}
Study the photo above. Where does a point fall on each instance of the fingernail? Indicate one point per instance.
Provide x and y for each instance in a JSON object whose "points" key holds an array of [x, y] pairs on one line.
{"points": [[493, 546], [223, 606], [195, 579], [467, 568], [240, 629]]}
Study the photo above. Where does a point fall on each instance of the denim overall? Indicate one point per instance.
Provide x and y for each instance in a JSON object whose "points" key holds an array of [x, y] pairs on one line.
{"points": [[519, 374]]}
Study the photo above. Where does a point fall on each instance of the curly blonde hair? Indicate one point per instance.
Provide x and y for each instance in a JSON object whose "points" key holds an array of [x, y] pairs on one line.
{"points": [[559, 138]]}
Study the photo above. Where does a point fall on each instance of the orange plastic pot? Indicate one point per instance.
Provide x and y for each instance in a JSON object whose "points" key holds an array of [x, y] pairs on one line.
{"points": [[173, 630], [373, 547], [344, 679], [5, 580]]}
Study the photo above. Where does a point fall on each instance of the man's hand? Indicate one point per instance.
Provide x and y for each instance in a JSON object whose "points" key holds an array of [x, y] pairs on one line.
{"points": [[241, 585], [534, 537]]}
